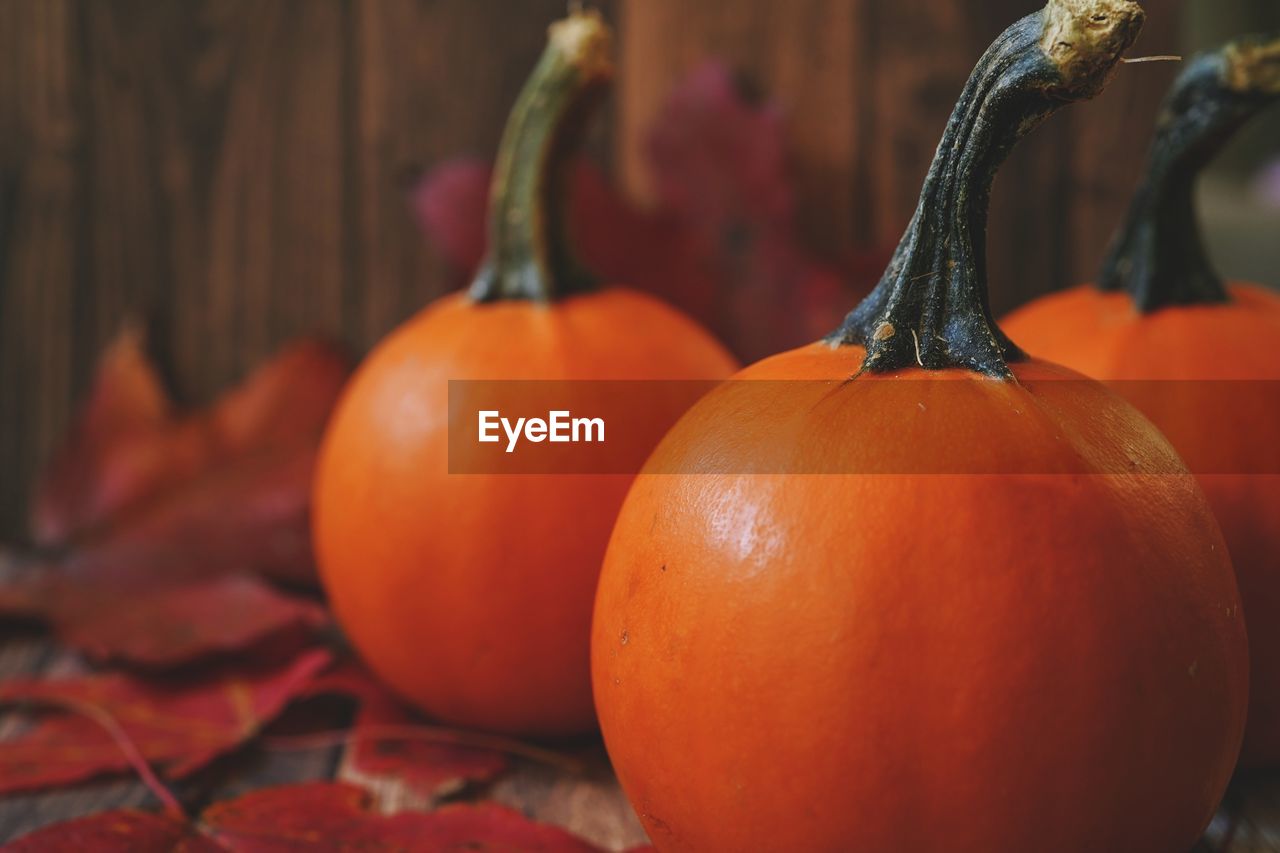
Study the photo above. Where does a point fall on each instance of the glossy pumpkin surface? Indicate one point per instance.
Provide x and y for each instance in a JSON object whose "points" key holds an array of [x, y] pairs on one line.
{"points": [[1196, 354], [1051, 661], [1104, 336], [471, 594], [908, 589]]}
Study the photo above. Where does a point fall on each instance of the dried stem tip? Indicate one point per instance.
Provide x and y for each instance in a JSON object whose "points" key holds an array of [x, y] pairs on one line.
{"points": [[1253, 65], [585, 42], [1084, 38]]}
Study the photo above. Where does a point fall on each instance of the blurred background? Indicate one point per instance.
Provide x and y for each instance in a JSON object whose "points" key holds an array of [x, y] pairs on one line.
{"points": [[233, 173]]}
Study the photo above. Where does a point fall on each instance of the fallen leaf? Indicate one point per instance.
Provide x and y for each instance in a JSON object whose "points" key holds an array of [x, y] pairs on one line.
{"points": [[177, 725], [389, 745], [329, 816], [121, 831], [286, 818], [253, 515], [165, 625], [721, 243], [89, 479], [150, 520], [223, 489]]}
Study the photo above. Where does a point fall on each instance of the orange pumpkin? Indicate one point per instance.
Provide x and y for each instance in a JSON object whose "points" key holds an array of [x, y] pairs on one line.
{"points": [[898, 591], [471, 594], [1162, 313]]}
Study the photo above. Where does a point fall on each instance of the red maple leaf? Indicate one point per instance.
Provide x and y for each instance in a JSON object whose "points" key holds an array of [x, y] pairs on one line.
{"points": [[387, 742], [325, 815], [130, 449], [176, 725], [165, 626], [151, 521], [119, 831]]}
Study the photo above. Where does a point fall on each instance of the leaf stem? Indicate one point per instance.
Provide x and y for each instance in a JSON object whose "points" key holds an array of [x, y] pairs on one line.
{"points": [[128, 748]]}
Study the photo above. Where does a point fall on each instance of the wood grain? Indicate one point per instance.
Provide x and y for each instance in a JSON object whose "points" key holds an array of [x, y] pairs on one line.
{"points": [[42, 234], [231, 172], [807, 55], [429, 82], [868, 85]]}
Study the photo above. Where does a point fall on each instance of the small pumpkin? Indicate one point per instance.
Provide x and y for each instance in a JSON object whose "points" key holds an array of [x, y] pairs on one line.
{"points": [[928, 657], [1161, 312], [471, 594]]}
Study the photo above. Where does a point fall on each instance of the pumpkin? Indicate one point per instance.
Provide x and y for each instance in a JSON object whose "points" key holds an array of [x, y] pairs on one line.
{"points": [[1161, 312], [898, 591], [471, 594]]}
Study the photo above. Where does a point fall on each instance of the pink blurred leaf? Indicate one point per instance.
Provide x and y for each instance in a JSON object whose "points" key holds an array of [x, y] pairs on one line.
{"points": [[722, 241]]}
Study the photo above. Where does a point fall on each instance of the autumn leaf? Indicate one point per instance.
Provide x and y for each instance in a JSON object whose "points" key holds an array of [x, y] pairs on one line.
{"points": [[96, 474], [722, 241], [451, 206], [140, 490], [390, 745], [165, 625], [177, 725], [330, 816], [153, 521], [718, 164], [288, 817], [120, 831]]}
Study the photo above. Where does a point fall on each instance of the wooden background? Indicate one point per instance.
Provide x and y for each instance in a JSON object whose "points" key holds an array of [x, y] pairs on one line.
{"points": [[233, 172]]}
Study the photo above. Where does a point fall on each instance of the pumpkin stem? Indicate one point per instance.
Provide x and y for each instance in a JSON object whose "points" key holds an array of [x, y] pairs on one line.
{"points": [[930, 309], [530, 253], [1159, 255]]}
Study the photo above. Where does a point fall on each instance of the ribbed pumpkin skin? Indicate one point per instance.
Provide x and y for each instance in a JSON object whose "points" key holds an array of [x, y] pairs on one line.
{"points": [[1049, 662], [471, 595], [1102, 335]]}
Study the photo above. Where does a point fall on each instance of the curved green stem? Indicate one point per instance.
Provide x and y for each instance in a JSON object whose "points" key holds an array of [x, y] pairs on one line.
{"points": [[530, 253], [1159, 256], [930, 309]]}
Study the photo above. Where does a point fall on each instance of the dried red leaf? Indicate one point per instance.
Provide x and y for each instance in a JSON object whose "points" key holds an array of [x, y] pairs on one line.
{"points": [[89, 479], [451, 205], [136, 485], [178, 726], [344, 817], [719, 167], [153, 514], [321, 815], [252, 515], [389, 743], [722, 242], [168, 625], [122, 831]]}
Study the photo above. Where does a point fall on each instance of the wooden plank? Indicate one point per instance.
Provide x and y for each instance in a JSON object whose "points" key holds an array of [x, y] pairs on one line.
{"points": [[42, 227], [867, 87], [1111, 138], [809, 55], [218, 177], [432, 81], [589, 804]]}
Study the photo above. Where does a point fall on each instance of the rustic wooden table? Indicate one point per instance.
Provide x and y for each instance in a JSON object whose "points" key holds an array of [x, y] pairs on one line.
{"points": [[589, 803]]}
